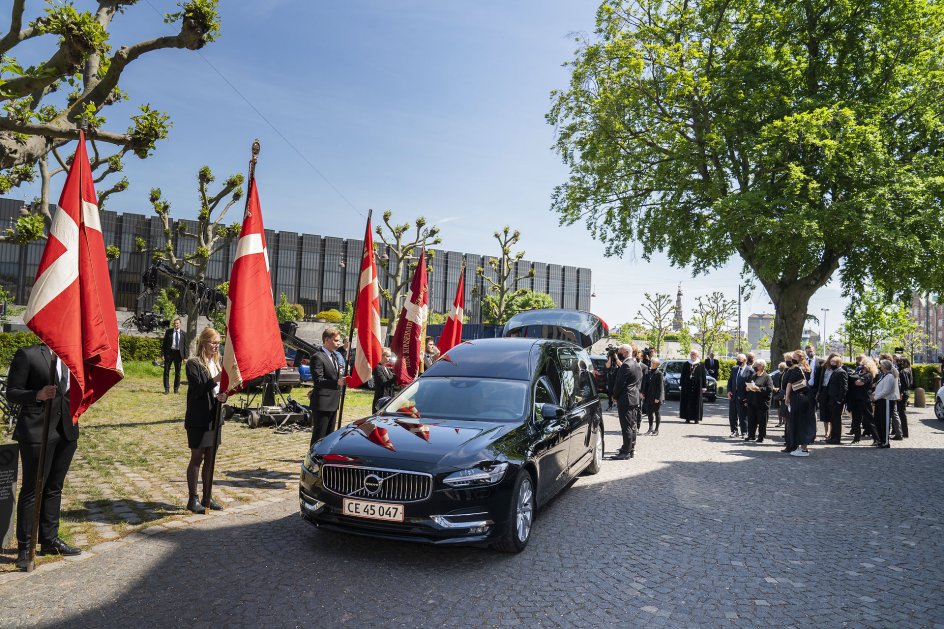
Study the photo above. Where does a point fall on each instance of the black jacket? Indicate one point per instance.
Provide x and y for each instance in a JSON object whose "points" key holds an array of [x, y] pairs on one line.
{"points": [[628, 381], [653, 388], [905, 382], [326, 394], [712, 366], [837, 386], [766, 385], [860, 393], [29, 372], [383, 383], [201, 401], [168, 342]]}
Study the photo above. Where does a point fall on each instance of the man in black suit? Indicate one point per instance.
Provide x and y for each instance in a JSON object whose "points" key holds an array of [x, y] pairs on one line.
{"points": [[816, 376], [327, 369], [383, 378], [712, 366], [626, 392], [28, 385], [174, 349]]}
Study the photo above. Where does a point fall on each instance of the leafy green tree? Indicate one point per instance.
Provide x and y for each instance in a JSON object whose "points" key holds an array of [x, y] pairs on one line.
{"points": [[495, 306], [529, 300], [656, 314], [45, 101], [710, 320], [7, 309], [872, 319], [218, 317], [804, 137], [166, 303], [684, 339]]}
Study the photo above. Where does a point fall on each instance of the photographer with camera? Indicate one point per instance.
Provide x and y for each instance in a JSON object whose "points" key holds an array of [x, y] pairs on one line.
{"points": [[173, 349]]}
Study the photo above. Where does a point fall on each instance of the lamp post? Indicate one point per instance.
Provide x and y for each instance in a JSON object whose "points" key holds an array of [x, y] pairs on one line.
{"points": [[824, 311], [740, 291]]}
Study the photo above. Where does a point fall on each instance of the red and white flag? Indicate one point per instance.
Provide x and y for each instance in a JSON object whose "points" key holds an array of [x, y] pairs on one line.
{"points": [[452, 331], [367, 317], [253, 339], [71, 306], [408, 338]]}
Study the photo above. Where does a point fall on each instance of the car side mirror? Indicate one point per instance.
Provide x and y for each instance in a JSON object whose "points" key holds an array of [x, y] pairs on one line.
{"points": [[551, 411]]}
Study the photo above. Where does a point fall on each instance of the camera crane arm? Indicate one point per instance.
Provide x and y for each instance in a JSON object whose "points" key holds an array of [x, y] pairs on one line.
{"points": [[207, 298]]}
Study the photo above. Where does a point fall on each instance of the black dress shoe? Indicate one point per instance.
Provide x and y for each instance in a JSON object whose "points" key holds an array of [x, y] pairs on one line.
{"points": [[655, 433], [855, 441], [897, 438], [22, 559], [760, 440], [194, 505], [59, 547], [833, 443], [215, 506], [622, 456]]}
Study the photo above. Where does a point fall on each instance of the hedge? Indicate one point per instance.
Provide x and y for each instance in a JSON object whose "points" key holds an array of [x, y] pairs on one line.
{"points": [[924, 377], [145, 348]]}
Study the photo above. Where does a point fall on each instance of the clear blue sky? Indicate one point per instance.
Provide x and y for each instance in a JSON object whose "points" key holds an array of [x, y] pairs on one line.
{"points": [[421, 107]]}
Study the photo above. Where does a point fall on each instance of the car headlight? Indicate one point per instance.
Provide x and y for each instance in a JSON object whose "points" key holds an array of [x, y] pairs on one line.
{"points": [[477, 476], [311, 466]]}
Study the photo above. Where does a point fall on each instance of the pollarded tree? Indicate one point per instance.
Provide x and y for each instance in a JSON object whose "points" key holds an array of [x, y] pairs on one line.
{"points": [[399, 261], [710, 320], [501, 288], [211, 235], [802, 135], [45, 104], [657, 314]]}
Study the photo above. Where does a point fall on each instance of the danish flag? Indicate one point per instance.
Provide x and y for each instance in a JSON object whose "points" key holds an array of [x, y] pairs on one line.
{"points": [[253, 339], [70, 307], [367, 317], [408, 338], [452, 331]]}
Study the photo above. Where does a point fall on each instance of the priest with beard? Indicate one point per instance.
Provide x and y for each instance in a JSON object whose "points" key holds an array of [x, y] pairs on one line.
{"points": [[693, 385]]}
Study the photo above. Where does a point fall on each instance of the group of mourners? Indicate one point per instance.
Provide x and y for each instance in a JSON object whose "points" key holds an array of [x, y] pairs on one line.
{"points": [[876, 394], [803, 386]]}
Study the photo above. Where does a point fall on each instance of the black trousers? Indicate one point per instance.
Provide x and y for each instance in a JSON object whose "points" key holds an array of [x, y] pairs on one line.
{"points": [[883, 416], [173, 358], [834, 416], [861, 417], [757, 421], [654, 412], [737, 415], [903, 415], [59, 455], [628, 418], [322, 423]]}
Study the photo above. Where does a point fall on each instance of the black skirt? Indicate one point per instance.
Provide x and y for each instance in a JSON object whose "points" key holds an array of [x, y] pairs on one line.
{"points": [[199, 438]]}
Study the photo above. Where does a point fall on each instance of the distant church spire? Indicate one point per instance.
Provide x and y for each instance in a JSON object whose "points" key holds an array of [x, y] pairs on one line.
{"points": [[677, 321]]}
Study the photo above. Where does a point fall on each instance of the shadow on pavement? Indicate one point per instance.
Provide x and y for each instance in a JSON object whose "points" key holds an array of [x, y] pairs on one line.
{"points": [[111, 511], [694, 541]]}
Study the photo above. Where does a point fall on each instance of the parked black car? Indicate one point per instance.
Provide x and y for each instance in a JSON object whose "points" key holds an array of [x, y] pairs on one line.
{"points": [[673, 373], [467, 453], [599, 372]]}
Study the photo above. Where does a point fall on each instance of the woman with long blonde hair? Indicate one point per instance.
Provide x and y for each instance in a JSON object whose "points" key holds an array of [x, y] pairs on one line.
{"points": [[203, 398]]}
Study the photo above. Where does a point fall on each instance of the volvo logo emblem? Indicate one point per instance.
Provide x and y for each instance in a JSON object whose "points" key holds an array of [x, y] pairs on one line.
{"points": [[372, 484]]}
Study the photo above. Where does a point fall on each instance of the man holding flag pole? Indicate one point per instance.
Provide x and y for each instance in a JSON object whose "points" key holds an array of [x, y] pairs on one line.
{"points": [[72, 311]]}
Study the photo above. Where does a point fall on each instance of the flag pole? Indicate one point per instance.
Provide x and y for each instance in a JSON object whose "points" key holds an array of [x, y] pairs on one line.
{"points": [[350, 332], [218, 414], [422, 366], [41, 467]]}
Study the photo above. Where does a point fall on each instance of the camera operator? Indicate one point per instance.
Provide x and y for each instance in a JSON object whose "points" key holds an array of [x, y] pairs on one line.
{"points": [[613, 363]]}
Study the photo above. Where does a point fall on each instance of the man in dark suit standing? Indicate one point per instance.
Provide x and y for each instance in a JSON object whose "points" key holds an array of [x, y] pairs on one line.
{"points": [[383, 378], [815, 377], [28, 385], [327, 369], [174, 349], [737, 397], [712, 366], [835, 386], [626, 392]]}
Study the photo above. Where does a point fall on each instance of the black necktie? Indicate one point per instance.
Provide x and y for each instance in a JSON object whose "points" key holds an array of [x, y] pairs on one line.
{"points": [[63, 378], [337, 366]]}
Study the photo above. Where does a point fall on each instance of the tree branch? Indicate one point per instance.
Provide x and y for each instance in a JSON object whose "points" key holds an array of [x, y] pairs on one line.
{"points": [[15, 35]]}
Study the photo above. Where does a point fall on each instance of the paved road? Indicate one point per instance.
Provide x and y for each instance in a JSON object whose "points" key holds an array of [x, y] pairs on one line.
{"points": [[698, 530]]}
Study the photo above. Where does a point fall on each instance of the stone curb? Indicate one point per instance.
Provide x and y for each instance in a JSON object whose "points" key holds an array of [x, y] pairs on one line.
{"points": [[177, 523]]}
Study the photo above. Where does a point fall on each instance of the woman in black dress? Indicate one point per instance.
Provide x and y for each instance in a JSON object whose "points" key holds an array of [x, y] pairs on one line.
{"points": [[654, 392], [760, 389], [860, 402], [203, 398], [800, 405]]}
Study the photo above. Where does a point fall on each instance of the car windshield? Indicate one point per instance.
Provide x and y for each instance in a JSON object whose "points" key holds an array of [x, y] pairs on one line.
{"points": [[475, 399], [673, 366]]}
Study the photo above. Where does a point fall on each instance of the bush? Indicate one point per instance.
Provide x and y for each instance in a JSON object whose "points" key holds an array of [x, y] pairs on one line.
{"points": [[146, 348], [724, 369], [331, 316], [12, 341], [924, 376]]}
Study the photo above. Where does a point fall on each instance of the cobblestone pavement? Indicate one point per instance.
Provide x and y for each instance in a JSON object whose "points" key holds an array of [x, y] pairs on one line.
{"points": [[697, 530]]}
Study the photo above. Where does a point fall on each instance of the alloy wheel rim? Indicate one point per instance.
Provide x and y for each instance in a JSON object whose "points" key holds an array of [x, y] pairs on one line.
{"points": [[598, 450], [524, 512], [939, 409]]}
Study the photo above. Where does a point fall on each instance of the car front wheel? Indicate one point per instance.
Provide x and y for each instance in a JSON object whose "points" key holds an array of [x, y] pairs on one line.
{"points": [[939, 409], [597, 463], [521, 515]]}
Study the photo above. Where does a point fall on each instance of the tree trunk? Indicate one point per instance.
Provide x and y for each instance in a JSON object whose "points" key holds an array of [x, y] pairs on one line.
{"points": [[790, 305]]}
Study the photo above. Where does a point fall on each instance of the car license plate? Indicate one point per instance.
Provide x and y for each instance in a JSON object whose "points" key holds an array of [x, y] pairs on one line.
{"points": [[373, 510]]}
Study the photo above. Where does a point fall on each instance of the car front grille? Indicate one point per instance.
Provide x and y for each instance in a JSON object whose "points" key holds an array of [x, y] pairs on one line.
{"points": [[394, 485]]}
